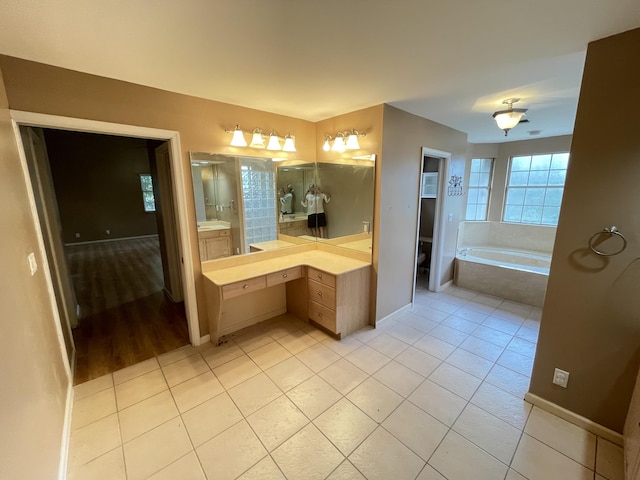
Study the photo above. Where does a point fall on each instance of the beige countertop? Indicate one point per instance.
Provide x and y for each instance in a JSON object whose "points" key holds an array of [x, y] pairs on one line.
{"points": [[327, 262], [271, 245]]}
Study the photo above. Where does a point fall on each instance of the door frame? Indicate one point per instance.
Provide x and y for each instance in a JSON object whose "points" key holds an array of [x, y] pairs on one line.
{"points": [[179, 189], [437, 246]]}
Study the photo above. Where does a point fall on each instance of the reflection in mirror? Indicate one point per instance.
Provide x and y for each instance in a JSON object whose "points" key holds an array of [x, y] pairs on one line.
{"points": [[294, 179]]}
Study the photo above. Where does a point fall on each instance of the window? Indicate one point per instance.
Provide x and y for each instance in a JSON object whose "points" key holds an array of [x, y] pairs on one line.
{"points": [[479, 185], [148, 200], [534, 188]]}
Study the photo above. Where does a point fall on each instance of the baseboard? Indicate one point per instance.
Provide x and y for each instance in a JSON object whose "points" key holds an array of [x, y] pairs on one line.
{"points": [[445, 285], [576, 419], [66, 434], [251, 321], [205, 339], [392, 314], [107, 240]]}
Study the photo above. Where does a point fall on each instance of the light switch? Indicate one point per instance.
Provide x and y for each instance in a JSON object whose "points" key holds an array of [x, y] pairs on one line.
{"points": [[33, 265]]}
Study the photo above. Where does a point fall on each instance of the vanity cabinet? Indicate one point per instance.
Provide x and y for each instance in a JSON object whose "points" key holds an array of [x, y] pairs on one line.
{"points": [[214, 244]]}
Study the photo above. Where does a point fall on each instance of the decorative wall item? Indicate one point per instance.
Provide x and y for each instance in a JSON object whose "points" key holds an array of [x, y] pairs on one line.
{"points": [[454, 188]]}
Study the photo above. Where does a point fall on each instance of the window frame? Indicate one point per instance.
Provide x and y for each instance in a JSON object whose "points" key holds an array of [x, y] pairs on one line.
{"points": [[144, 192], [488, 188]]}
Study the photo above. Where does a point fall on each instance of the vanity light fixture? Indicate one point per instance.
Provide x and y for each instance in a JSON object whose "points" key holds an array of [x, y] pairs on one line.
{"points": [[274, 142], [346, 140], [238, 137], [258, 140], [289, 144], [507, 119]]}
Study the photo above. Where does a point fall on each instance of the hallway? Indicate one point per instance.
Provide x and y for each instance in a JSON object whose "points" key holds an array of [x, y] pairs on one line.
{"points": [[125, 317]]}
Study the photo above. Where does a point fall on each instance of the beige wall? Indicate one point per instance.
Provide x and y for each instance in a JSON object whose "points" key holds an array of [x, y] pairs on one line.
{"points": [[501, 153], [33, 375], [395, 226], [591, 319], [35, 87]]}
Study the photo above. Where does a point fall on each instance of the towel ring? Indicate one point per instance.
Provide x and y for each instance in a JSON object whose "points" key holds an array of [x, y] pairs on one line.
{"points": [[613, 230]]}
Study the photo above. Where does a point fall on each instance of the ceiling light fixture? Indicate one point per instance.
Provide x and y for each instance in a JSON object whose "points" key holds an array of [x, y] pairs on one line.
{"points": [[346, 140], [258, 139], [507, 119]]}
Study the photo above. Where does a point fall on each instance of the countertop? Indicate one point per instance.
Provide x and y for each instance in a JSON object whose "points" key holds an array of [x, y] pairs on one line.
{"points": [[327, 262]]}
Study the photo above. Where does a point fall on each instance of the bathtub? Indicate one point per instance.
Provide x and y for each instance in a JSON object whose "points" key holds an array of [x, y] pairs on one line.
{"points": [[516, 275]]}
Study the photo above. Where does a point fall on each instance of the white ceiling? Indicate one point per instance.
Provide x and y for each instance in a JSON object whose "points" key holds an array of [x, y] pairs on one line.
{"points": [[451, 61]]}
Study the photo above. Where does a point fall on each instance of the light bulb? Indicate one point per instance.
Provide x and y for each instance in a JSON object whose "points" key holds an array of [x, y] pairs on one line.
{"points": [[338, 144], [352, 142], [257, 141], [274, 143], [289, 144], [326, 147], [238, 138]]}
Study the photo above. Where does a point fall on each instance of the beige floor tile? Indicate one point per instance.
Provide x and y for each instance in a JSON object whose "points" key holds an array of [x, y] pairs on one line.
{"points": [[343, 346], [455, 380], [420, 362], [219, 355], [416, 321], [92, 386], [128, 373], [195, 391], [509, 380], [231, 453], [289, 373], [537, 461], [517, 362], [516, 307], [345, 425], [482, 348], [513, 410], [458, 459], [569, 439], [399, 378], [156, 449], [314, 396], [368, 359], [476, 313], [297, 341], [492, 336], [140, 388], [388, 345], [269, 355], [367, 333], [293, 456], [94, 440], [522, 347], [277, 421], [93, 407], [177, 354], [265, 469], [491, 434], [405, 333], [489, 300], [610, 460], [501, 325], [346, 471], [528, 334], [254, 393], [375, 399], [343, 375], [429, 313], [444, 306], [107, 466], [513, 475], [448, 334], [185, 369], [438, 402], [318, 357], [236, 371], [185, 468], [146, 415], [382, 456], [210, 418], [459, 323], [429, 473], [434, 346], [470, 363], [252, 338], [418, 430]]}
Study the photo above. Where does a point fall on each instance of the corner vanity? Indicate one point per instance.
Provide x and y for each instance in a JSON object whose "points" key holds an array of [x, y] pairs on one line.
{"points": [[214, 240], [315, 282]]}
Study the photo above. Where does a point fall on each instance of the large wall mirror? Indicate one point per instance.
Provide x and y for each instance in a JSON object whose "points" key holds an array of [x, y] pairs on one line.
{"points": [[245, 204]]}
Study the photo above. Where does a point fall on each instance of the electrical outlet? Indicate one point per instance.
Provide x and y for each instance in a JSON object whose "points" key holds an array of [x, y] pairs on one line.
{"points": [[108, 232], [561, 378], [33, 265], [77, 234]]}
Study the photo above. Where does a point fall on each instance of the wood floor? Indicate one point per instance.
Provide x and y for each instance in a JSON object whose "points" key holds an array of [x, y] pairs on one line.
{"points": [[124, 315]]}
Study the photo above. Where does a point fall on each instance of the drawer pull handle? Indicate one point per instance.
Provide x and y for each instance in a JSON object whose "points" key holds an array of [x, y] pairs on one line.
{"points": [[319, 275], [320, 314], [320, 293], [284, 275], [245, 286]]}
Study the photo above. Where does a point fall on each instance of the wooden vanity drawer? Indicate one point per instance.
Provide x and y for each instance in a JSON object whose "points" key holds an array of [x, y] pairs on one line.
{"points": [[246, 286], [284, 276], [322, 315], [322, 294], [225, 233], [322, 277]]}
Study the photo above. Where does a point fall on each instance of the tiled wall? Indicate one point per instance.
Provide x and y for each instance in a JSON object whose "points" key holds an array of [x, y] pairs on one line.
{"points": [[537, 238]]}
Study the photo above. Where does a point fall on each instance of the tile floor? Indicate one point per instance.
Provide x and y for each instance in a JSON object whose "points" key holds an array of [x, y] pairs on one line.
{"points": [[433, 393]]}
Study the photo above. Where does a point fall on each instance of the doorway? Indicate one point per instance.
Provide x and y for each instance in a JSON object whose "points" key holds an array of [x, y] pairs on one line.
{"points": [[433, 168], [157, 303]]}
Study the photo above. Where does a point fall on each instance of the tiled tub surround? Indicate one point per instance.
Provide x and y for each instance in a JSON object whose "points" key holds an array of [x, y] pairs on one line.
{"points": [[433, 393], [504, 259]]}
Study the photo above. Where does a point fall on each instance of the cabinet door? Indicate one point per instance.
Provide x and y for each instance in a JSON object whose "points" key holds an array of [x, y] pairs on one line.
{"points": [[218, 247]]}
